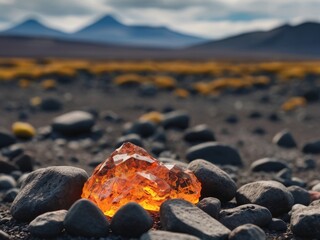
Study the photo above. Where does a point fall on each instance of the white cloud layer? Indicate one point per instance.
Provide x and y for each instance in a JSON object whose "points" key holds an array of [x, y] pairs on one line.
{"points": [[208, 18]]}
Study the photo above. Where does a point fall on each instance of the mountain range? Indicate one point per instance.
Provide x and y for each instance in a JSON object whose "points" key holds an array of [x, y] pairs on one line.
{"points": [[109, 30], [109, 38]]}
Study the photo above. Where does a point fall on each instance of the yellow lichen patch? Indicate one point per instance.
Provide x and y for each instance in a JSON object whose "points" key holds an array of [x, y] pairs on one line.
{"points": [[23, 130], [202, 88], [165, 82], [293, 103], [35, 101], [181, 93], [128, 79], [49, 84], [297, 72], [153, 116]]}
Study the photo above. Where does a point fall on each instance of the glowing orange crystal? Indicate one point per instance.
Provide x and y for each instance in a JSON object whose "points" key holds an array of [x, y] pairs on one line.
{"points": [[130, 174]]}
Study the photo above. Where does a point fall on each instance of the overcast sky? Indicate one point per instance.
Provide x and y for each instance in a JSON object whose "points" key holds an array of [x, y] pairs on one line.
{"points": [[207, 18]]}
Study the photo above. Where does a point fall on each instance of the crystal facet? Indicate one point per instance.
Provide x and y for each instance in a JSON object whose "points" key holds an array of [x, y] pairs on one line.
{"points": [[130, 174]]}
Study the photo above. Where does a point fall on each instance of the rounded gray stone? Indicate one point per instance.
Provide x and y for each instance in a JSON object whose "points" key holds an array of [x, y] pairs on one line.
{"points": [[214, 181], [176, 120], [305, 222], [312, 147], [270, 194], [6, 139], [198, 134], [4, 235], [7, 182], [211, 206], [215, 153], [165, 235], [300, 195], [131, 221], [178, 215], [268, 165], [85, 219], [48, 225], [247, 232], [245, 214], [277, 225], [73, 123], [284, 139], [48, 189]]}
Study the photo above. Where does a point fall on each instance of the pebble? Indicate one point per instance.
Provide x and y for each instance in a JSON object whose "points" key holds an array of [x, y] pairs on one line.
{"points": [[148, 90], [24, 162], [259, 131], [4, 235], [277, 224], [23, 130], [247, 232], [270, 194], [284, 139], [214, 181], [6, 139], [165, 235], [157, 148], [7, 167], [255, 115], [176, 120], [232, 119], [316, 187], [85, 219], [133, 138], [73, 123], [248, 213], [131, 221], [111, 116], [300, 195], [143, 128], [48, 225], [305, 222], [215, 153], [51, 104], [211, 206], [178, 215], [7, 182], [312, 147], [13, 151], [268, 165], [48, 189], [198, 134], [10, 195]]}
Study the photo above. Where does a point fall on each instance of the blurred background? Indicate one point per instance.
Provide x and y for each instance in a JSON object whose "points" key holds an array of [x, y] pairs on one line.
{"points": [[202, 29]]}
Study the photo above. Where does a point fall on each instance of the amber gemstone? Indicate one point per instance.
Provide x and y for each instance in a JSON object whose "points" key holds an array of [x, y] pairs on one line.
{"points": [[130, 174]]}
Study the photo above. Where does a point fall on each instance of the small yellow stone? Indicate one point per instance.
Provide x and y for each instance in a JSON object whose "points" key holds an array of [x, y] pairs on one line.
{"points": [[181, 93], [49, 84], [23, 130], [154, 116], [293, 103], [35, 101]]}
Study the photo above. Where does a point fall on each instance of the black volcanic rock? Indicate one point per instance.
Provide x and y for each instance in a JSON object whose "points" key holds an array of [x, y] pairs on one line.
{"points": [[48, 189], [215, 153], [178, 215]]}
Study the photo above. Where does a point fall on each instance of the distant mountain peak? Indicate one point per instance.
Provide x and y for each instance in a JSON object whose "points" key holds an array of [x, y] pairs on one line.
{"points": [[108, 20], [31, 22], [32, 27]]}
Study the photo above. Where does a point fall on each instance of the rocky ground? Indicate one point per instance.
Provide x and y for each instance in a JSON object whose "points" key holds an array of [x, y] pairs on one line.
{"points": [[240, 128]]}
